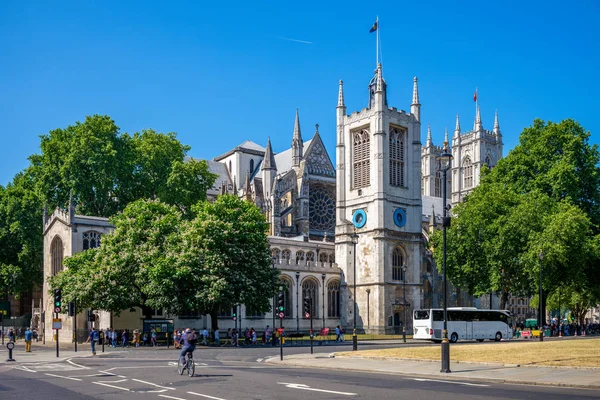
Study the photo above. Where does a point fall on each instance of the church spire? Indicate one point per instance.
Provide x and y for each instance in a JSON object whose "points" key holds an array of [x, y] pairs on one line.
{"points": [[496, 124], [415, 107], [478, 126], [269, 161], [341, 95], [297, 144], [429, 141]]}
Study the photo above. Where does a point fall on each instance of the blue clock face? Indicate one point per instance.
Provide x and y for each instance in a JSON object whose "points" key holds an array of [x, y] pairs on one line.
{"points": [[399, 217], [359, 218]]}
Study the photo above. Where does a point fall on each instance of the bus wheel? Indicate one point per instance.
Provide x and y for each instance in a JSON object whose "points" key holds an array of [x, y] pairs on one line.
{"points": [[453, 337], [498, 337]]}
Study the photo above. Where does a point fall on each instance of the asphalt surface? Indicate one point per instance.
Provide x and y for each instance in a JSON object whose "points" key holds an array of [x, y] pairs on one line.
{"points": [[232, 373]]}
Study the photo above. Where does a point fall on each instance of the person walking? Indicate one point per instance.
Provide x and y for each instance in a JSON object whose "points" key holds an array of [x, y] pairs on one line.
{"points": [[124, 338], [204, 336], [153, 337], [28, 337], [93, 338]]}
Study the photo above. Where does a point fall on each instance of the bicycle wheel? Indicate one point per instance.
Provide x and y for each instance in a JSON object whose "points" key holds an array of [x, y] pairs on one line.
{"points": [[191, 368], [180, 367]]}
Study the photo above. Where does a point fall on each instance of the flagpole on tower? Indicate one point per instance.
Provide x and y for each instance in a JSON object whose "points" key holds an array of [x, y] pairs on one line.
{"points": [[377, 41]]}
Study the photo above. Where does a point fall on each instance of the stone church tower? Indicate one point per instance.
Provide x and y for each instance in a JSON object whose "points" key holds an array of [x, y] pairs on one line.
{"points": [[379, 198]]}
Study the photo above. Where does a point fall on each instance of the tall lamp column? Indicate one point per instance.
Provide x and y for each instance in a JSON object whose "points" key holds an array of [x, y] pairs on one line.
{"points": [[323, 275], [404, 301], [297, 302], [354, 238], [541, 307], [444, 159], [273, 281]]}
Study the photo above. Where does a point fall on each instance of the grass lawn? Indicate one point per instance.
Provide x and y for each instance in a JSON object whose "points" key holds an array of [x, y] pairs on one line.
{"points": [[576, 353]]}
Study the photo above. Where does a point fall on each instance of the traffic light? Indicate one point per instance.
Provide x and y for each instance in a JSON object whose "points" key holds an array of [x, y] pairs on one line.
{"points": [[91, 316], [57, 300], [281, 304], [307, 307], [234, 316], [71, 308]]}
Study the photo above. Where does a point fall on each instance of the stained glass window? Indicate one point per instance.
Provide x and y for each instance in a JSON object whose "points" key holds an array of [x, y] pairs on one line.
{"points": [[322, 208]]}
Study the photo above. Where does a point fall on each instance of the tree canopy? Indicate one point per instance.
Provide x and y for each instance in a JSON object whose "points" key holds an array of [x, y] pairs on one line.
{"points": [[155, 258], [536, 209], [105, 171]]}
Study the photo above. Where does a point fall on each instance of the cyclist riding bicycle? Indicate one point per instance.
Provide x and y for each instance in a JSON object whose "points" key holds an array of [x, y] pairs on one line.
{"points": [[189, 339]]}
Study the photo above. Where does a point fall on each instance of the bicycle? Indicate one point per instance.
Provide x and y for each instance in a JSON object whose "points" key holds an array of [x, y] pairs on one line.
{"points": [[187, 365]]}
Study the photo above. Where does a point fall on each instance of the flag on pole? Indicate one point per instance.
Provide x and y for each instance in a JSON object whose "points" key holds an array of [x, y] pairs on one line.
{"points": [[475, 96], [374, 27]]}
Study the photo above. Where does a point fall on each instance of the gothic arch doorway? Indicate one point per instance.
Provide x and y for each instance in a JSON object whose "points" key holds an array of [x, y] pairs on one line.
{"points": [[397, 324]]}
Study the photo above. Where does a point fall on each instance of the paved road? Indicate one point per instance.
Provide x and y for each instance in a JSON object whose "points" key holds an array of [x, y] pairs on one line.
{"points": [[231, 374]]}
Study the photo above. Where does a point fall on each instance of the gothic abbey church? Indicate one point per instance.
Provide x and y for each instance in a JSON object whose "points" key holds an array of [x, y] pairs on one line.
{"points": [[382, 199]]}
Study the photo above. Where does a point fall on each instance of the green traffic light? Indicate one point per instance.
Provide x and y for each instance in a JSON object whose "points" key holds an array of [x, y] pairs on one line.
{"points": [[57, 304]]}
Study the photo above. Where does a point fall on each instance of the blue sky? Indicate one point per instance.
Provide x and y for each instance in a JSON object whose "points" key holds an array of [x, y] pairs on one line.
{"points": [[218, 73]]}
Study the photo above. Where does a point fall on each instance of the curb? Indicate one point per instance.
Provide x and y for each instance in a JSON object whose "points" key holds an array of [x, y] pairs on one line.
{"points": [[447, 377]]}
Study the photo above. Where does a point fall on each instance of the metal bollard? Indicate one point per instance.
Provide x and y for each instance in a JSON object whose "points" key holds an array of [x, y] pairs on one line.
{"points": [[102, 337], [10, 346], [167, 340]]}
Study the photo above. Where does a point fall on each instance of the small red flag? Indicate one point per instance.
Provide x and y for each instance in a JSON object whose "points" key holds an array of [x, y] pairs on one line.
{"points": [[475, 96]]}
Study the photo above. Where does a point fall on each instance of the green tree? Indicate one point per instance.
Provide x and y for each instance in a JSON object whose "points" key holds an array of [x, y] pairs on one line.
{"points": [[226, 256], [20, 235], [133, 267]]}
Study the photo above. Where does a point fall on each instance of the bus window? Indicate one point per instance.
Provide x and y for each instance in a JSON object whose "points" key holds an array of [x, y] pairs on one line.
{"points": [[438, 315], [421, 314]]}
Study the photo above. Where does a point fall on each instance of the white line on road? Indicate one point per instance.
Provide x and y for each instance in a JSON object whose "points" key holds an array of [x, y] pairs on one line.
{"points": [[77, 365], [454, 382], [306, 387], [170, 397], [112, 386], [65, 377], [205, 395], [153, 384], [26, 369]]}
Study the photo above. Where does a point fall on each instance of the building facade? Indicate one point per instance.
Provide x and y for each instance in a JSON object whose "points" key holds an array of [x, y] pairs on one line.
{"points": [[363, 222]]}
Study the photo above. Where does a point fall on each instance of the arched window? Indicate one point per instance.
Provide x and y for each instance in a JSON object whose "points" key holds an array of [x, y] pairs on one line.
{"points": [[285, 256], [396, 157], [438, 184], [361, 159], [300, 257], [488, 161], [397, 264], [310, 290], [331, 259], [56, 255], [310, 257], [286, 283], [251, 166], [467, 173], [322, 258], [333, 299], [276, 254], [91, 240]]}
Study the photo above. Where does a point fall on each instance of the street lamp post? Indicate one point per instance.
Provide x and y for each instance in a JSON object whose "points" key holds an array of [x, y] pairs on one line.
{"points": [[368, 313], [273, 280], [541, 307], [354, 238], [444, 159], [323, 275], [297, 313], [404, 301]]}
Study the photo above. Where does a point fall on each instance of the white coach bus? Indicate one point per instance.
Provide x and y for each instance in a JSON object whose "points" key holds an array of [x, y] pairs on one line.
{"points": [[464, 323]]}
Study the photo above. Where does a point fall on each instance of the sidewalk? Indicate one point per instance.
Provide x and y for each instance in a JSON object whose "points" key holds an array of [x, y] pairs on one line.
{"points": [[495, 373]]}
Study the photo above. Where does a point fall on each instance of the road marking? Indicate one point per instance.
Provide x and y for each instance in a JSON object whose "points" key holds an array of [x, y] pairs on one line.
{"points": [[65, 377], [153, 384], [454, 382], [137, 367], [26, 369], [170, 397], [259, 359], [77, 365], [205, 395], [306, 387], [112, 386]]}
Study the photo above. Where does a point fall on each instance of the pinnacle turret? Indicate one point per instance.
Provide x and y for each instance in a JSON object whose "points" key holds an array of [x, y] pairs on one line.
{"points": [[415, 107], [269, 161], [446, 138], [341, 95], [496, 124], [478, 126], [429, 141], [297, 143]]}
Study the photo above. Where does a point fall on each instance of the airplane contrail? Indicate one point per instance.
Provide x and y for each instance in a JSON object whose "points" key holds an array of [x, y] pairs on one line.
{"points": [[294, 40]]}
